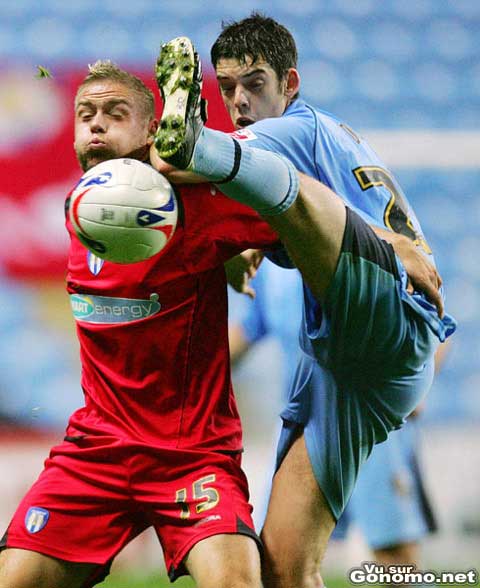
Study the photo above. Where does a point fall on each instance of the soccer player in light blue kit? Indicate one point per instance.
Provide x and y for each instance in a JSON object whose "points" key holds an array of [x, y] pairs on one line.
{"points": [[368, 338], [389, 503]]}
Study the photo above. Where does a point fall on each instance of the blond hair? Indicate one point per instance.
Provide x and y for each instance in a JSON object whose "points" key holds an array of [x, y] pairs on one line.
{"points": [[107, 70]]}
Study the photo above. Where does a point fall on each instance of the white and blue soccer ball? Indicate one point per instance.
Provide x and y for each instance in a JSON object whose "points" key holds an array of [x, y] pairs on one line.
{"points": [[123, 210]]}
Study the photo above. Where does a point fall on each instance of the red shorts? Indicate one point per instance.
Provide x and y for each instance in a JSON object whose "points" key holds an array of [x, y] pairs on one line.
{"points": [[96, 494]]}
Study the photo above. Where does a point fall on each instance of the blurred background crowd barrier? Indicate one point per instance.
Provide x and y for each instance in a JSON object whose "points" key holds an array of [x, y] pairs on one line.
{"points": [[405, 73]]}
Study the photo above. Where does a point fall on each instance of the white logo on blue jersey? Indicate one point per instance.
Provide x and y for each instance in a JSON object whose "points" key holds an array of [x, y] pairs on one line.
{"points": [[95, 263], [36, 519], [244, 135]]}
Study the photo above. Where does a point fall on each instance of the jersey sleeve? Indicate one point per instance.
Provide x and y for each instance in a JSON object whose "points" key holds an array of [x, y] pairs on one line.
{"points": [[354, 171], [290, 136], [327, 149], [321, 148]]}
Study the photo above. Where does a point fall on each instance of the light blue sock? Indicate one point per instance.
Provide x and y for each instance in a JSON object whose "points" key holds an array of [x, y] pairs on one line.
{"points": [[265, 181]]}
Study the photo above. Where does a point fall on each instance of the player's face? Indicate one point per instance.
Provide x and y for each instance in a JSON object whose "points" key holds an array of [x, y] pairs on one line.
{"points": [[251, 91], [110, 123]]}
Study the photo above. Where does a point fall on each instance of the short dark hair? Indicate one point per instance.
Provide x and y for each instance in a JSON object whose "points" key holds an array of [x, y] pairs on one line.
{"points": [[259, 37]]}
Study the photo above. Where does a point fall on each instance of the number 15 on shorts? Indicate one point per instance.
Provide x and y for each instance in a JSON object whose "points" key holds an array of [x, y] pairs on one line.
{"points": [[207, 496]]}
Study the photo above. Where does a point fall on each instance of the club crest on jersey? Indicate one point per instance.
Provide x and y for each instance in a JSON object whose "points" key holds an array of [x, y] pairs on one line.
{"points": [[94, 263], [36, 519], [244, 135]]}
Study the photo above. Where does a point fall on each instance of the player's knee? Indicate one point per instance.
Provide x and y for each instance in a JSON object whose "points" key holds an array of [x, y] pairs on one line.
{"points": [[231, 579], [242, 583], [284, 567], [287, 571], [246, 575], [286, 577], [225, 561]]}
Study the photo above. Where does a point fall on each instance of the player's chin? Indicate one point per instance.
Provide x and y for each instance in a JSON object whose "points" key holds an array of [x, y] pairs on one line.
{"points": [[243, 122], [89, 159]]}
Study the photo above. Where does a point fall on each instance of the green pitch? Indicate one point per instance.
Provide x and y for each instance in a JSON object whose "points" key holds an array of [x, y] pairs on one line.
{"points": [[117, 580], [138, 581], [158, 581]]}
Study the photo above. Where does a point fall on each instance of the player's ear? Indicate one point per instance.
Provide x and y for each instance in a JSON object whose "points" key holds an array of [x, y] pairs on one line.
{"points": [[152, 128], [292, 83]]}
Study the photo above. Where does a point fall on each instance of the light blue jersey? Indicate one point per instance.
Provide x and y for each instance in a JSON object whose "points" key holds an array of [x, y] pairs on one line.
{"points": [[368, 347], [323, 147]]}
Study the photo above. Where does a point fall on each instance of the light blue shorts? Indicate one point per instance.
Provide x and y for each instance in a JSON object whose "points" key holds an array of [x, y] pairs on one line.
{"points": [[373, 363], [390, 504]]}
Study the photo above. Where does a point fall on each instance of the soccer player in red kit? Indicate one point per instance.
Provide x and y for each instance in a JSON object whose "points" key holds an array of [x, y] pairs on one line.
{"points": [[158, 442]]}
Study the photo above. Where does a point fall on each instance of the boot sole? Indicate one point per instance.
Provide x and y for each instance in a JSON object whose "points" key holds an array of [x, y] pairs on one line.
{"points": [[174, 71]]}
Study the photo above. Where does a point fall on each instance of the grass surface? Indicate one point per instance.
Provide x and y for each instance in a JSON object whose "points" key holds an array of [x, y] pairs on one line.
{"points": [[139, 581], [160, 581], [157, 581]]}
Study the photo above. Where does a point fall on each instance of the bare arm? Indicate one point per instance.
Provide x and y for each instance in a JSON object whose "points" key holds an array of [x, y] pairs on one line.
{"points": [[238, 342], [422, 274], [241, 269]]}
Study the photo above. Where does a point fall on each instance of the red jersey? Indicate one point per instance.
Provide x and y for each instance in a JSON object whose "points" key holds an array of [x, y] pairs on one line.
{"points": [[153, 335]]}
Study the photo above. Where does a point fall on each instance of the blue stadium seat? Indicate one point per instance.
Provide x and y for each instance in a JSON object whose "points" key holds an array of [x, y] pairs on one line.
{"points": [[383, 52]]}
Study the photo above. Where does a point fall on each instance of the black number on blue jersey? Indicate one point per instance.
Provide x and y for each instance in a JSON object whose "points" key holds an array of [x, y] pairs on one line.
{"points": [[395, 215]]}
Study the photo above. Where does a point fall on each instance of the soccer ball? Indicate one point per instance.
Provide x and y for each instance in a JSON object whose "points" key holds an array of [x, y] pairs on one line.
{"points": [[123, 210]]}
